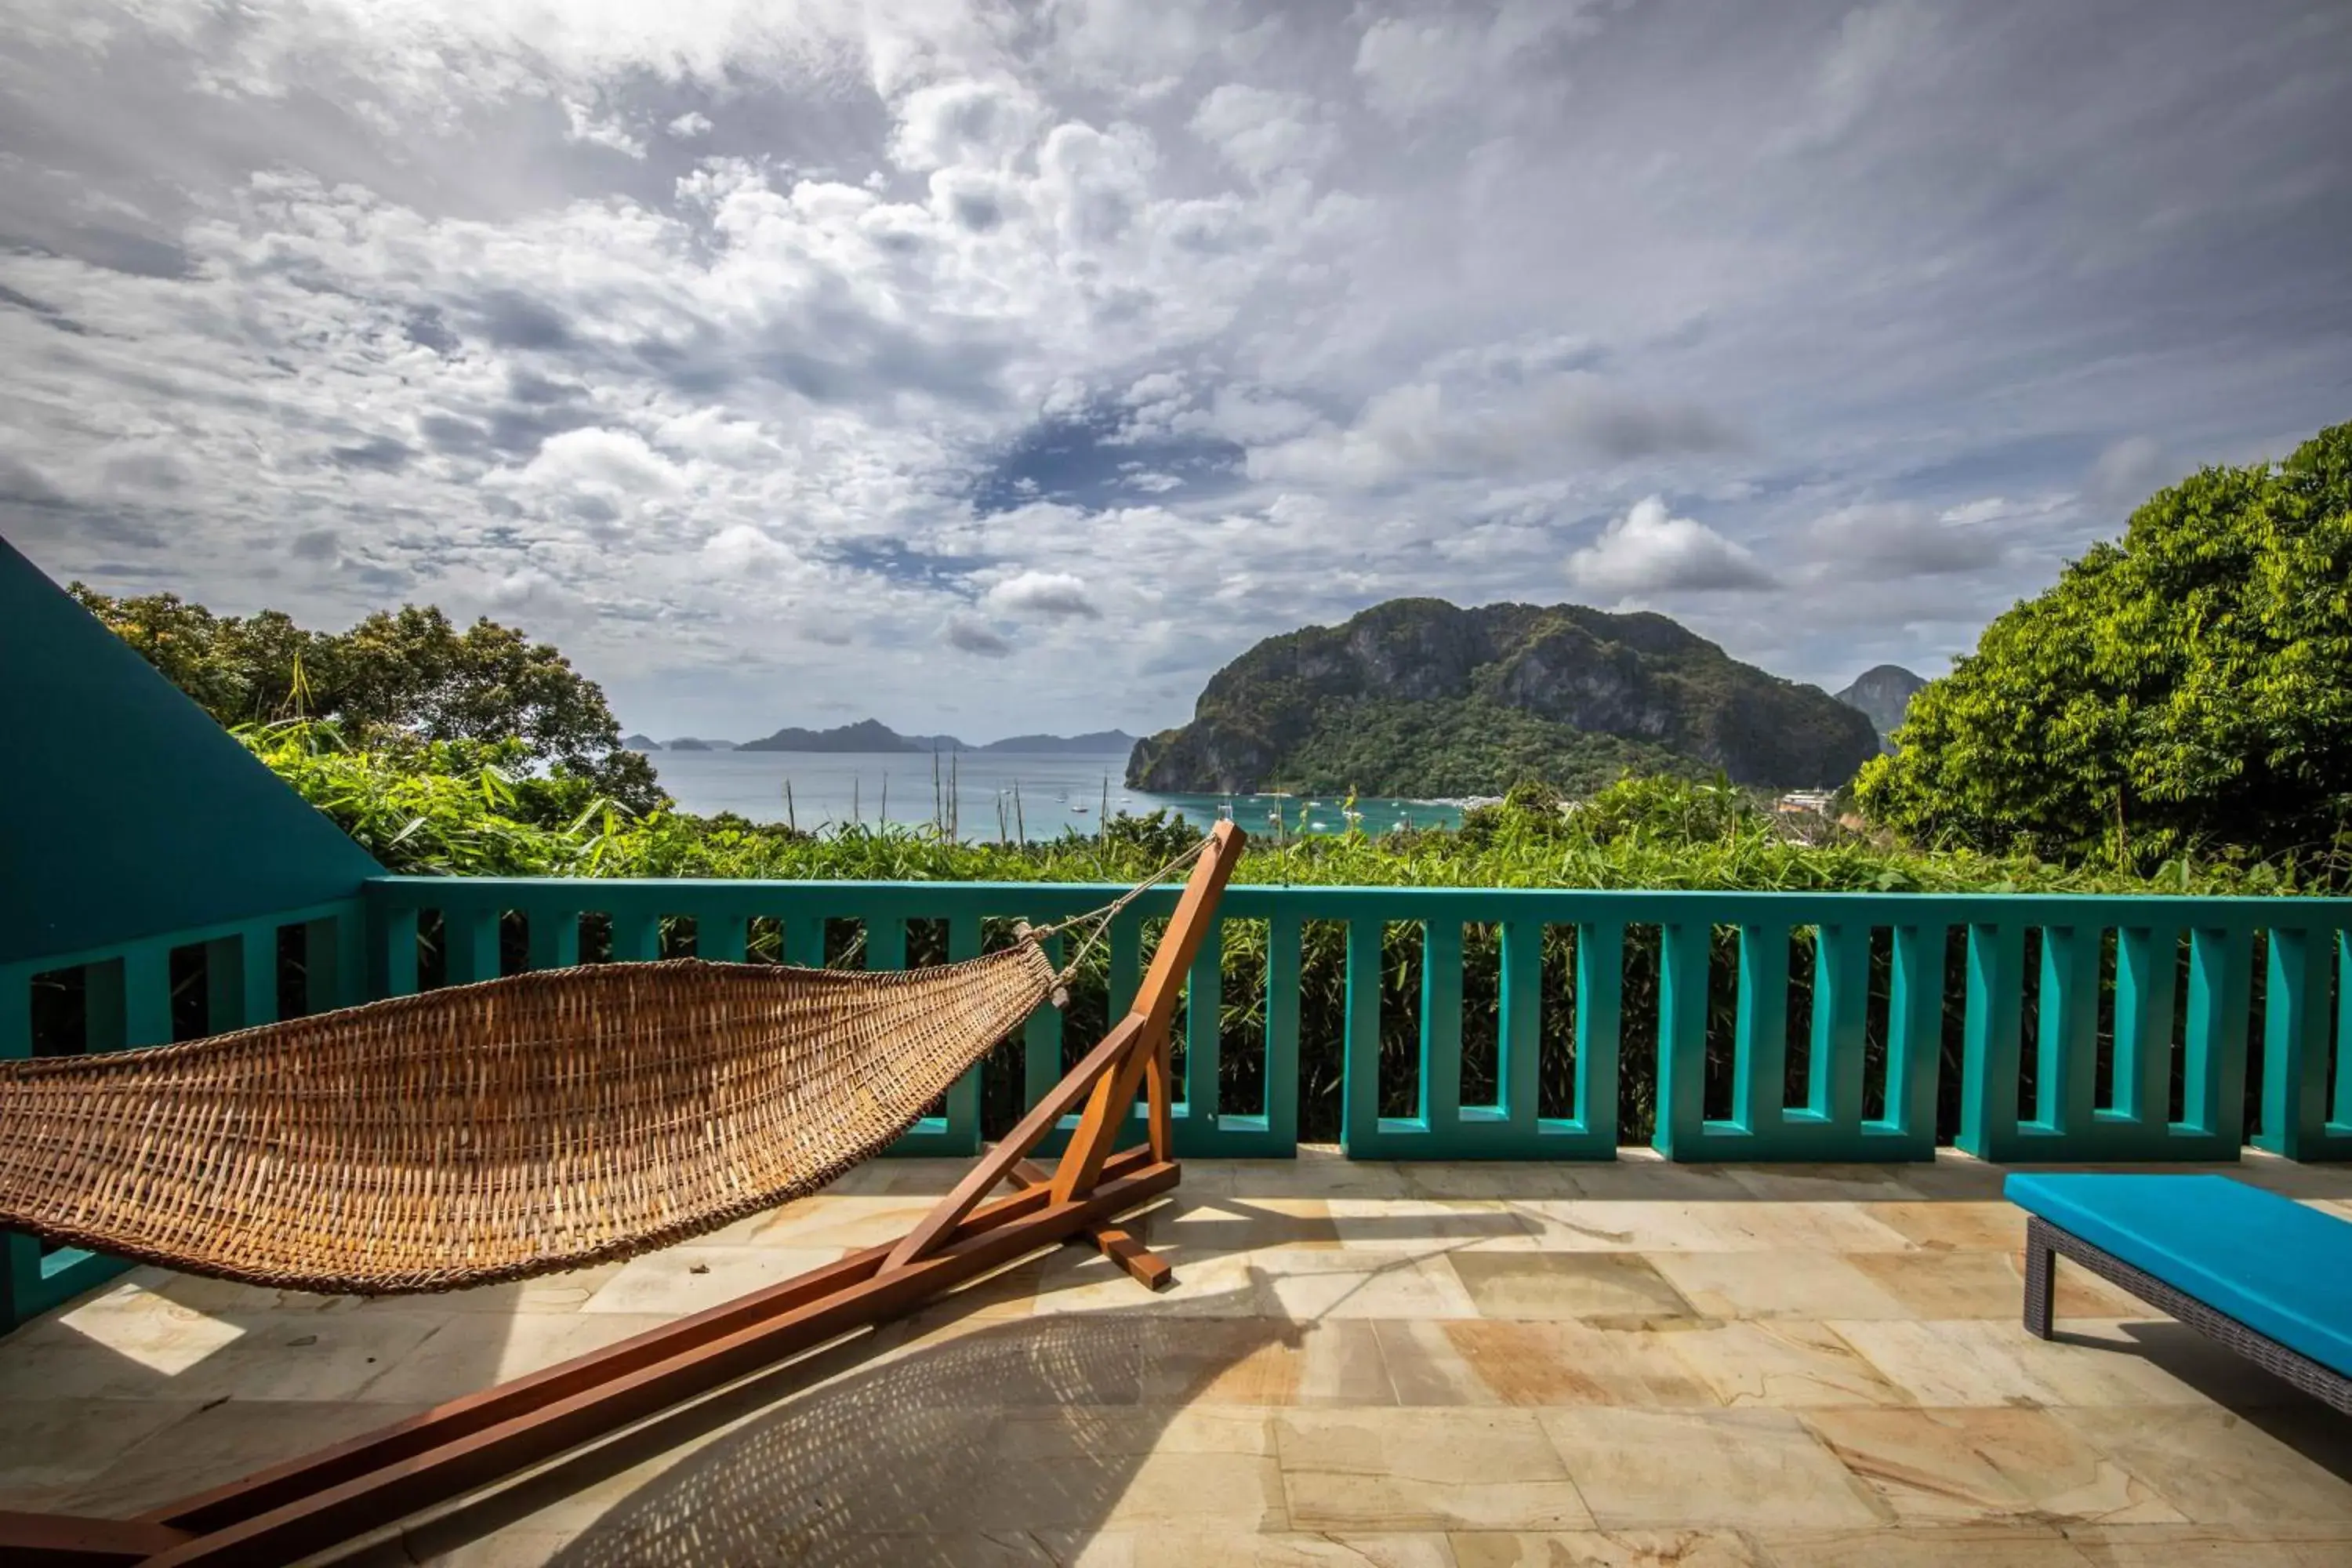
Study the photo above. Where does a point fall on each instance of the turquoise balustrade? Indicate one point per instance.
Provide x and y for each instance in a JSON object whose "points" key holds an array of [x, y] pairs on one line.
{"points": [[2169, 984], [127, 995], [2179, 977]]}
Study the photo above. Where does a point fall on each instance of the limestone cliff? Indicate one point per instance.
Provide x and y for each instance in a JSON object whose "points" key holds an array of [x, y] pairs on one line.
{"points": [[1566, 687]]}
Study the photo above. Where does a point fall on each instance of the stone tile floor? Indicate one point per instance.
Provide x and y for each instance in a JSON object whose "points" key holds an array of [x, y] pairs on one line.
{"points": [[1406, 1365]]}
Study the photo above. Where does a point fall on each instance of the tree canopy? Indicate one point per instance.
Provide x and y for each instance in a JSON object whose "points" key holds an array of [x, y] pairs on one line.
{"points": [[2189, 685], [405, 674]]}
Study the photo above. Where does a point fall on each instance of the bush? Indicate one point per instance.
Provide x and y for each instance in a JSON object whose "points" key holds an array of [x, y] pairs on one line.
{"points": [[2185, 690]]}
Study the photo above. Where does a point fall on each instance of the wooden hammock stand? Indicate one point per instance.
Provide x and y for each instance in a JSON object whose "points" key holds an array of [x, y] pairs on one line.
{"points": [[308, 1505]]}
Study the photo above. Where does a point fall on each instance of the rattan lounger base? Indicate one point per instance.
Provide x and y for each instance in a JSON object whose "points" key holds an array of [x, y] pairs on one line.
{"points": [[2044, 1242]]}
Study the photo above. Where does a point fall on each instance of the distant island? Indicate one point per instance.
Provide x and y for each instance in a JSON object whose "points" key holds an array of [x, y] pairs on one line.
{"points": [[871, 735], [688, 743], [1884, 694], [1094, 744], [640, 743], [865, 735], [1421, 698]]}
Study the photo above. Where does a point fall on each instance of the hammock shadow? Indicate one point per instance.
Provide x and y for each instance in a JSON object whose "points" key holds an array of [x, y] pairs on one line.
{"points": [[955, 1427]]}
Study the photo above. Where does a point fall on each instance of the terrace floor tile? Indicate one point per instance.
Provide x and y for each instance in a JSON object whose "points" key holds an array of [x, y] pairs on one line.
{"points": [[1453, 1366]]}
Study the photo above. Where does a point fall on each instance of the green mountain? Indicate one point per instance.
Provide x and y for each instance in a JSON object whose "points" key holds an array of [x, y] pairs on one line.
{"points": [[1883, 693], [1419, 697]]}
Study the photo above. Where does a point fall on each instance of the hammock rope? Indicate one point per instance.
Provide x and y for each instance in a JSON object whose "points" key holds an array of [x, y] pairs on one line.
{"points": [[512, 1128], [1098, 921]]}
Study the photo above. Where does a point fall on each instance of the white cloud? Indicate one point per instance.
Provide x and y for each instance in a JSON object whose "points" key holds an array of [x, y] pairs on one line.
{"points": [[742, 548], [618, 458], [1430, 425], [1264, 134], [968, 634], [377, 302], [1904, 539], [1415, 67], [1139, 49], [980, 123], [1647, 550], [590, 124], [1052, 596]]}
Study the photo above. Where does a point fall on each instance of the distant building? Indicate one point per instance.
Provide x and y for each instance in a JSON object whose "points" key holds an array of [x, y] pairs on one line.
{"points": [[1816, 801]]}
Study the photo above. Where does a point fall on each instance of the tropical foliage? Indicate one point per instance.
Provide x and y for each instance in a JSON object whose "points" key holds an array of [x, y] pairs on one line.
{"points": [[467, 808], [2187, 686], [409, 674], [1391, 746]]}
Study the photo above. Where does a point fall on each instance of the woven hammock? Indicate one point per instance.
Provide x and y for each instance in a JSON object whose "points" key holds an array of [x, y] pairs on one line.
{"points": [[493, 1132]]}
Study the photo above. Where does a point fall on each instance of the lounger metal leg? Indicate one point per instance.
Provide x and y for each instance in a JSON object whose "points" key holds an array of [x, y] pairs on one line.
{"points": [[2041, 1279]]}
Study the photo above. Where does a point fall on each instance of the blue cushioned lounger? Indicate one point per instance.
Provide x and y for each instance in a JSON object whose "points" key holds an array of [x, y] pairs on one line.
{"points": [[2267, 1276]]}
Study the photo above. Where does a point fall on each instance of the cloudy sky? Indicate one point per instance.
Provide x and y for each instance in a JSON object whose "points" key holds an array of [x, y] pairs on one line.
{"points": [[987, 367]]}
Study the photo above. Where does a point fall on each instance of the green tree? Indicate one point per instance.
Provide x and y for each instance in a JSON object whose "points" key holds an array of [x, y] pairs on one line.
{"points": [[2189, 685], [406, 676]]}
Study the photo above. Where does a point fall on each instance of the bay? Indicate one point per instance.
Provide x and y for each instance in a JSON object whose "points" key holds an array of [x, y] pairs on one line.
{"points": [[1057, 794]]}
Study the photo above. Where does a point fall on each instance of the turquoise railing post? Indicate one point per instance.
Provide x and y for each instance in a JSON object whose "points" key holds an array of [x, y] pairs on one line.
{"points": [[1196, 1116], [469, 939], [553, 936], [145, 1000], [105, 1025], [2213, 1078], [804, 939], [1041, 1053], [2146, 969], [722, 935], [224, 985], [2066, 1047], [1600, 1039], [1683, 952], [1991, 1044], [1518, 1029], [961, 1133], [1126, 943], [637, 936], [257, 951], [343, 959], [1439, 1077], [1841, 1027], [1915, 1037], [1759, 1086], [2342, 1110], [396, 955], [1360, 1112], [2295, 1026], [1283, 940]]}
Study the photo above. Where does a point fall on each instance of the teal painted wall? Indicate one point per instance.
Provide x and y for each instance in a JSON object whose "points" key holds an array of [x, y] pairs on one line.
{"points": [[125, 811]]}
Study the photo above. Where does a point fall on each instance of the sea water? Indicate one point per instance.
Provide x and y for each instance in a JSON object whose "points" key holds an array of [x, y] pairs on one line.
{"points": [[1057, 794]]}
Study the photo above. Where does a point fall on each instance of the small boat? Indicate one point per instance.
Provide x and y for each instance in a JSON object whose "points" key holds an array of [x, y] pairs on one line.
{"points": [[1079, 808]]}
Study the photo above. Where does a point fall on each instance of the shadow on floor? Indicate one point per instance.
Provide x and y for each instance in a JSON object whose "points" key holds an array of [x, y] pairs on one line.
{"points": [[2269, 1404], [1032, 1424]]}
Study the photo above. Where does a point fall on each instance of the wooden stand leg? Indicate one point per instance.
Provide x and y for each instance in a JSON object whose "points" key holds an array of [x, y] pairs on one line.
{"points": [[1147, 1268]]}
